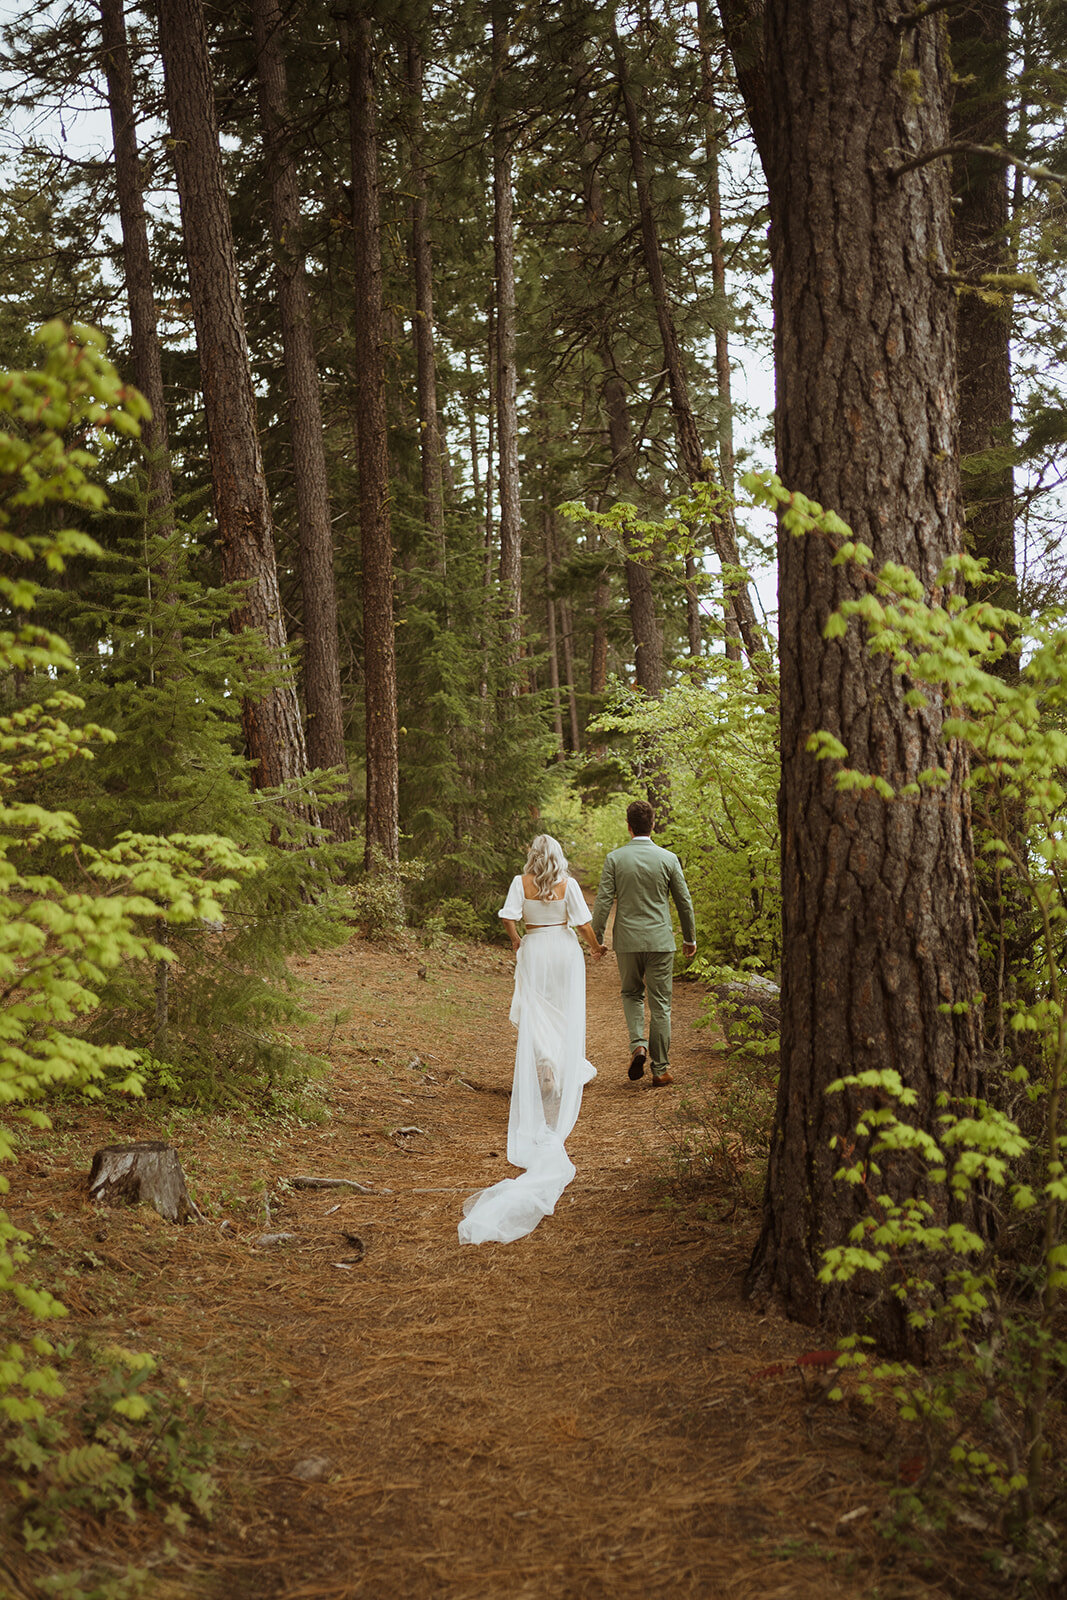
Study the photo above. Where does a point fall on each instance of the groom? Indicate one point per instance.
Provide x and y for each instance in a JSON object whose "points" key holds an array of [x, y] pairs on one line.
{"points": [[642, 879]]}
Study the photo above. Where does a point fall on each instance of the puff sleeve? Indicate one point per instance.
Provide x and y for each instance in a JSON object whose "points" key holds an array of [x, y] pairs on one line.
{"points": [[513, 907], [578, 912]]}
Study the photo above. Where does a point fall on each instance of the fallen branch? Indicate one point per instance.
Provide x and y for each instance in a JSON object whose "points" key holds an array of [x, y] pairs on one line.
{"points": [[331, 1183]]}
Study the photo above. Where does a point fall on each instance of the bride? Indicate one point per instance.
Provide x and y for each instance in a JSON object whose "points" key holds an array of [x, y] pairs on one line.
{"points": [[548, 1009]]}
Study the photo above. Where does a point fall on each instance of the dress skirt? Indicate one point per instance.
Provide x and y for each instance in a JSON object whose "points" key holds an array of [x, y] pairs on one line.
{"points": [[548, 1010]]}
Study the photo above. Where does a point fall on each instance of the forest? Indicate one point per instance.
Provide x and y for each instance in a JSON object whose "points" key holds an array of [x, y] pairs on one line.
{"points": [[391, 469]]}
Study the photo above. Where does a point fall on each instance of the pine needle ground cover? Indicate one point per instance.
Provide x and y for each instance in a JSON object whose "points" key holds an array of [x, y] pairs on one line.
{"points": [[592, 1411]]}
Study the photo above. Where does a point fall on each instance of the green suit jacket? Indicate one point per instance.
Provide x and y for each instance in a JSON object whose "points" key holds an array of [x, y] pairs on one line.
{"points": [[643, 879]]}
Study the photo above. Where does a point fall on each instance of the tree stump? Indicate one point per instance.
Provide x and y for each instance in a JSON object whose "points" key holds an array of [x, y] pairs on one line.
{"points": [[126, 1174]]}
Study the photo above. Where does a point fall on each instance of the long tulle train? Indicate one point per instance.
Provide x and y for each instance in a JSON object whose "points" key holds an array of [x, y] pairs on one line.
{"points": [[548, 1009]]}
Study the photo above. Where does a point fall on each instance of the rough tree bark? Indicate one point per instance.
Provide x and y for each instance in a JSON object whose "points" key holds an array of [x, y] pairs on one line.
{"points": [[423, 324], [551, 639], [598, 651], [148, 1170], [148, 375], [644, 623], [379, 643], [321, 657], [725, 430], [566, 624], [272, 726], [878, 907], [688, 434], [137, 264], [979, 35], [506, 382]]}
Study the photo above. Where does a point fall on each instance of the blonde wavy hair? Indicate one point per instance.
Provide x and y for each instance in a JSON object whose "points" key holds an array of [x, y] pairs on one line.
{"points": [[546, 865]]}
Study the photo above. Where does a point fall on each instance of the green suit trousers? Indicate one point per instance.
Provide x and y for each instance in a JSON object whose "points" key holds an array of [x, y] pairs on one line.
{"points": [[651, 973]]}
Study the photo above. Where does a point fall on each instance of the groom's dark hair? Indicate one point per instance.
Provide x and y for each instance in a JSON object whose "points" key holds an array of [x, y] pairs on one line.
{"points": [[640, 817]]}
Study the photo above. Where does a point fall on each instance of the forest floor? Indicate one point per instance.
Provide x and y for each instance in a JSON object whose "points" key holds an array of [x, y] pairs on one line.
{"points": [[592, 1411]]}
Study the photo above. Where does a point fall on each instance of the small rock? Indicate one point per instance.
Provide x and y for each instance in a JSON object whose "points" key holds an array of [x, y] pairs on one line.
{"points": [[748, 1010], [314, 1469]]}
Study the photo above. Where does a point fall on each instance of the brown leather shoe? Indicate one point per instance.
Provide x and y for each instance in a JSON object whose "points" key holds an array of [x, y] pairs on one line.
{"points": [[662, 1080], [637, 1064]]}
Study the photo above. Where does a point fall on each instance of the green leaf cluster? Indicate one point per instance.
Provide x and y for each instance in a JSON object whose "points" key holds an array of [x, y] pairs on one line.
{"points": [[134, 1444]]}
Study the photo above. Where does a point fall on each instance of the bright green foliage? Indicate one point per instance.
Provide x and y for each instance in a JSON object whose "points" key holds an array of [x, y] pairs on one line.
{"points": [[135, 1446], [983, 1409], [57, 944], [60, 944]]}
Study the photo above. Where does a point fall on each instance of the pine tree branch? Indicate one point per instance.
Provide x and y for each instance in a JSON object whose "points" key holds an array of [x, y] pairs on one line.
{"points": [[911, 19], [962, 147]]}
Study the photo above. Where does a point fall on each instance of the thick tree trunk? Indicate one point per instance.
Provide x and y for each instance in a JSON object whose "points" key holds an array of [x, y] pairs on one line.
{"points": [[506, 381], [425, 361], [693, 626], [552, 641], [727, 474], [472, 430], [598, 655], [980, 37], [147, 370], [688, 434], [137, 264], [272, 727], [566, 621], [379, 644], [980, 34], [321, 656], [644, 624], [878, 909]]}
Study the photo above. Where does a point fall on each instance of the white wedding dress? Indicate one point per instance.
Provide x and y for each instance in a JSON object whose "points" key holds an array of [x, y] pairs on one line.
{"points": [[548, 1009]]}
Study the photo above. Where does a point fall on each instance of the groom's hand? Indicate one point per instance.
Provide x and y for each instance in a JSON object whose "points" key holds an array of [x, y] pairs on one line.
{"points": [[689, 950]]}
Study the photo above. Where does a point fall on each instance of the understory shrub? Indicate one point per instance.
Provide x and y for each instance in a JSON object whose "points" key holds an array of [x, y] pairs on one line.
{"points": [[153, 658]]}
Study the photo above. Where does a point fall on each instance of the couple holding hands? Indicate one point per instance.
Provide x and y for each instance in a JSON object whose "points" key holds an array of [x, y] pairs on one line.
{"points": [[548, 1007]]}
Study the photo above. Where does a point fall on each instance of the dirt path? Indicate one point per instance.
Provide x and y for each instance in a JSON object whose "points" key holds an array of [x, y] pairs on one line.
{"points": [[563, 1418]]}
